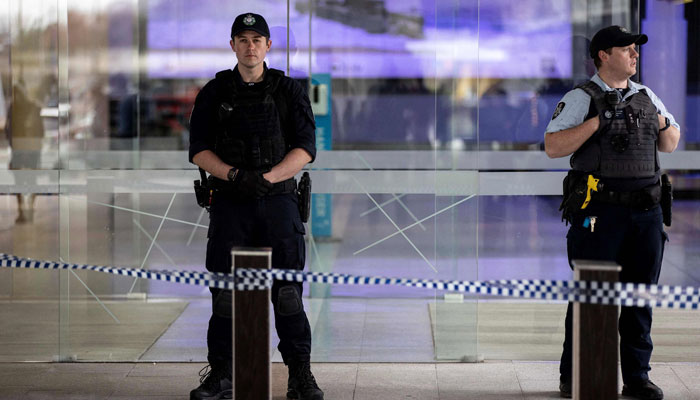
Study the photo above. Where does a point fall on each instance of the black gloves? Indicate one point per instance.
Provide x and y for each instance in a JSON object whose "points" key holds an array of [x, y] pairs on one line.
{"points": [[251, 184]]}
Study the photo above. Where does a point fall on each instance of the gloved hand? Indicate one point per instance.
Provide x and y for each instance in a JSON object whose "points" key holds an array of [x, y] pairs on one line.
{"points": [[251, 184]]}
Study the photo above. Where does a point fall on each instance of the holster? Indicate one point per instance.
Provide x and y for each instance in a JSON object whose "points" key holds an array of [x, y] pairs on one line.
{"points": [[666, 199], [574, 194], [203, 190], [304, 196]]}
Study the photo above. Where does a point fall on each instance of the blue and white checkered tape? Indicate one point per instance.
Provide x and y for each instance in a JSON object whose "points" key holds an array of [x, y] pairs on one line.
{"points": [[625, 294]]}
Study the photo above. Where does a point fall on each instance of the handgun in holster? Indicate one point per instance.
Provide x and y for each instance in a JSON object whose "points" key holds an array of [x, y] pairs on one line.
{"points": [[666, 199], [203, 190], [304, 196]]}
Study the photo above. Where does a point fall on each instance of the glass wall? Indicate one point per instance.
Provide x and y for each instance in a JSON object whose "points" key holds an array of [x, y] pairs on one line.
{"points": [[430, 121]]}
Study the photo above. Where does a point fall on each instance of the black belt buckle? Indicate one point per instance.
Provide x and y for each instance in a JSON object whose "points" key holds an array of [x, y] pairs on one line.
{"points": [[287, 186]]}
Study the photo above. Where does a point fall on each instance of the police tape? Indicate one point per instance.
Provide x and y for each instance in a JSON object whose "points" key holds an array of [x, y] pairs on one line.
{"points": [[591, 292], [210, 279]]}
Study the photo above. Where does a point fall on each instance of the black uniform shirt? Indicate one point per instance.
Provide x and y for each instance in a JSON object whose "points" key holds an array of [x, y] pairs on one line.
{"points": [[204, 124]]}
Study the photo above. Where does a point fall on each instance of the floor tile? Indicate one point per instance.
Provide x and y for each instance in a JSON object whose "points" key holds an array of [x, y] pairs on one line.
{"points": [[689, 374], [396, 381], [156, 386], [166, 369]]}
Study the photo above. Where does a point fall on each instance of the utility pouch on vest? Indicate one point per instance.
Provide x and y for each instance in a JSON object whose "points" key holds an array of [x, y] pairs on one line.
{"points": [[666, 199], [203, 190], [577, 193], [651, 196], [304, 195], [631, 120], [611, 98], [574, 192]]}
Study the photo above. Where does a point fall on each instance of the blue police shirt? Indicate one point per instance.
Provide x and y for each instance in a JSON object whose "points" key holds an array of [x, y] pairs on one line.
{"points": [[573, 107]]}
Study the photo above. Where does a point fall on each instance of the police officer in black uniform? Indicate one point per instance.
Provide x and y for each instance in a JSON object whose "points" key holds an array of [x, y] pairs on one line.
{"points": [[253, 130], [614, 128]]}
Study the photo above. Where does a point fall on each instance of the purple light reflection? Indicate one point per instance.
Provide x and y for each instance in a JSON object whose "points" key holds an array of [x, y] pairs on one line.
{"points": [[527, 39]]}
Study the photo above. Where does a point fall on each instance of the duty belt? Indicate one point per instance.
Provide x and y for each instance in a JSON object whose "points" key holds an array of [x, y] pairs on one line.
{"points": [[288, 186], [225, 187], [645, 198]]}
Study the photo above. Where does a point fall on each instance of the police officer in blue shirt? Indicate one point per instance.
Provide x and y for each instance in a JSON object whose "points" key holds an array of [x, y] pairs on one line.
{"points": [[252, 129], [613, 128]]}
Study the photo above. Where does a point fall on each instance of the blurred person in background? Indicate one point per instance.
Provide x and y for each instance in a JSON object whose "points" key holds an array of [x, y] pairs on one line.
{"points": [[25, 128]]}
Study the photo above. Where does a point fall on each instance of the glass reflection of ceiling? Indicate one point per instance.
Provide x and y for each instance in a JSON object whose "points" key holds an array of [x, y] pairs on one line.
{"points": [[379, 38]]}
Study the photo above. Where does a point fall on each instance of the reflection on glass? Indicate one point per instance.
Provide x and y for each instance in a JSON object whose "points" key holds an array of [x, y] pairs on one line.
{"points": [[445, 80], [29, 74]]}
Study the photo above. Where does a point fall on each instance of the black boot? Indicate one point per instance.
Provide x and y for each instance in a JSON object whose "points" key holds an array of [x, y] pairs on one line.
{"points": [[644, 390], [292, 386], [565, 389], [215, 384], [302, 383]]}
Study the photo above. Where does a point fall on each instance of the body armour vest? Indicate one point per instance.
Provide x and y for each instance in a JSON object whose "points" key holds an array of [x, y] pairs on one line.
{"points": [[624, 146], [250, 135]]}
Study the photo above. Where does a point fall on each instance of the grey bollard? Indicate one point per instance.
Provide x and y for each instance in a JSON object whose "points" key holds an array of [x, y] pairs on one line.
{"points": [[595, 337], [251, 329]]}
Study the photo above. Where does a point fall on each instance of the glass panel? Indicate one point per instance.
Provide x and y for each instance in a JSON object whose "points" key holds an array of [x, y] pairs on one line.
{"points": [[99, 76], [677, 84], [430, 120], [457, 37], [531, 54], [5, 152], [135, 68], [28, 74], [393, 77], [521, 235], [127, 184]]}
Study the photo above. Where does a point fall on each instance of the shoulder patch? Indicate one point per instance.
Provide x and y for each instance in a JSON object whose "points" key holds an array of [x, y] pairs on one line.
{"points": [[559, 109]]}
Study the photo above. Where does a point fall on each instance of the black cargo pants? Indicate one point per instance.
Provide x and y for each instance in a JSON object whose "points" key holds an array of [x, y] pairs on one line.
{"points": [[635, 240], [272, 221]]}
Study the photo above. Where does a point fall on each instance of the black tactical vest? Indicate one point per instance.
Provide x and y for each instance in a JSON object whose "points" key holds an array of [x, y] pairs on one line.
{"points": [[625, 144], [251, 135]]}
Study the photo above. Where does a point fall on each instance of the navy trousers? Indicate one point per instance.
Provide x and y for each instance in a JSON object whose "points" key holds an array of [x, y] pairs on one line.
{"points": [[272, 221], [635, 240]]}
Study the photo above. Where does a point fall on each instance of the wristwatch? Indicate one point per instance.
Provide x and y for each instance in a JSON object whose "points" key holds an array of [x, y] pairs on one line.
{"points": [[232, 174], [668, 123]]}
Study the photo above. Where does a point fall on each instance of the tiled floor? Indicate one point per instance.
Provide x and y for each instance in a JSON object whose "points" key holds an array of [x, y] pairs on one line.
{"points": [[340, 381], [29, 330]]}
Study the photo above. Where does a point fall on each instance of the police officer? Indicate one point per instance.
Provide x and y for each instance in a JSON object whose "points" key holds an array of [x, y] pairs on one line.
{"points": [[253, 130], [614, 128]]}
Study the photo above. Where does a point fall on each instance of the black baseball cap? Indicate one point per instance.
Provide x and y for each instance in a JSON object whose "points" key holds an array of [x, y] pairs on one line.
{"points": [[614, 36], [250, 22]]}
